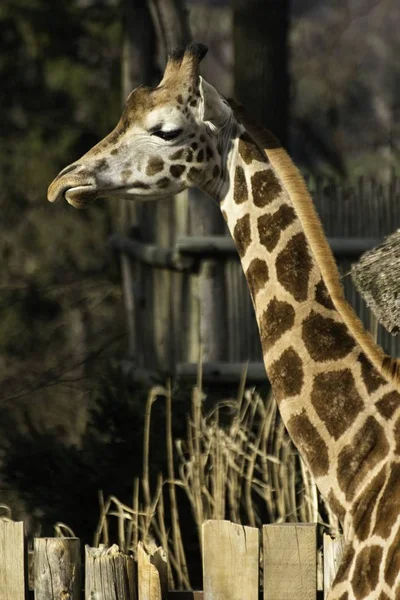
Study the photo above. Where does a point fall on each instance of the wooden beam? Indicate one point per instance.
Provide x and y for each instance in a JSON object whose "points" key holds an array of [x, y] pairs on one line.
{"points": [[221, 372], [230, 561], [290, 562], [12, 579], [152, 255], [223, 245]]}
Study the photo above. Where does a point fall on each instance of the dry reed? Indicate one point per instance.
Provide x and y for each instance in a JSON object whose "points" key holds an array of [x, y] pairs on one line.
{"points": [[247, 471]]}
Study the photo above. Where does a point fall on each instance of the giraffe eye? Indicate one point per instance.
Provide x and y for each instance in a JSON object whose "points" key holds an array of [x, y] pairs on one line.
{"points": [[167, 135]]}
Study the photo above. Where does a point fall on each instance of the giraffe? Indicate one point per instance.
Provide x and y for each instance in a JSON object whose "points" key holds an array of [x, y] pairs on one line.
{"points": [[337, 392]]}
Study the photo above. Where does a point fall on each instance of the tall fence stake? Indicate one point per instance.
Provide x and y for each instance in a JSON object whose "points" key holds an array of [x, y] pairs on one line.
{"points": [[12, 582], [333, 550], [290, 562], [109, 574], [230, 561], [57, 568], [152, 574]]}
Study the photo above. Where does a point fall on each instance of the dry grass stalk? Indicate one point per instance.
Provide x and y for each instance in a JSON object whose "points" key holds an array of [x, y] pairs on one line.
{"points": [[247, 471]]}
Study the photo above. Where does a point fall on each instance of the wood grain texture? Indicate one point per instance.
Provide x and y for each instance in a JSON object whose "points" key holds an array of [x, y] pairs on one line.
{"points": [[110, 574], [230, 561], [57, 569], [333, 550], [290, 562], [12, 584], [152, 574]]}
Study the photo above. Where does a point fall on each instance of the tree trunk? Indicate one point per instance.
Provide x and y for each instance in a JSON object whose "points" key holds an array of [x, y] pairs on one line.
{"points": [[261, 61]]}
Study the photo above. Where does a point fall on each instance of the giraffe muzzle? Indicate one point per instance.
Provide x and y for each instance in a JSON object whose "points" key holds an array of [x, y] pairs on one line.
{"points": [[78, 189]]}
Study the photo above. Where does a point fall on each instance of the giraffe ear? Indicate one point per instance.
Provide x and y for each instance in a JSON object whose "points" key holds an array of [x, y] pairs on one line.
{"points": [[215, 109]]}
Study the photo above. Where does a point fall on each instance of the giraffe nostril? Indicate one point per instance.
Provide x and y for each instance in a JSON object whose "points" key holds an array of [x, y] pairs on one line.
{"points": [[68, 169]]}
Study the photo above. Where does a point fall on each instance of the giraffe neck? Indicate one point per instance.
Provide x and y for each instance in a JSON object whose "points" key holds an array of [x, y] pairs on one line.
{"points": [[322, 380]]}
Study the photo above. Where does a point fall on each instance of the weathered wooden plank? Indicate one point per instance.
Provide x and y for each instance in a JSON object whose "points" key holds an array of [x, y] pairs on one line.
{"points": [[230, 561], [333, 550], [152, 574], [12, 581], [57, 568], [290, 562], [109, 574]]}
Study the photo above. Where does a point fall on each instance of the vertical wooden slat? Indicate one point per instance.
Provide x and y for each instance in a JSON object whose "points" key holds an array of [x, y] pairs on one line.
{"points": [[290, 562], [230, 561], [333, 550], [12, 581], [109, 574], [152, 574], [57, 568]]}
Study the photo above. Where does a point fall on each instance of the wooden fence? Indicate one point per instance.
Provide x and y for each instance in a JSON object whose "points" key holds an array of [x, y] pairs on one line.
{"points": [[291, 566], [177, 268]]}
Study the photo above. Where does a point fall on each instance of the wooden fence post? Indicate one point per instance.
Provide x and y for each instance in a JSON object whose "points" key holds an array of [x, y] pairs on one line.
{"points": [[230, 561], [57, 568], [333, 550], [290, 562], [152, 574], [109, 574], [12, 580]]}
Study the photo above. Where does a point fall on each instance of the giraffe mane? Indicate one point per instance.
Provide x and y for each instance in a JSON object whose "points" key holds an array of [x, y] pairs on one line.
{"points": [[296, 187]]}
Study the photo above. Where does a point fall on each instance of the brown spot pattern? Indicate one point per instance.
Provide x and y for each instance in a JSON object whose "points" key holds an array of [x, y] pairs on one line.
{"points": [[344, 596], [366, 571], [180, 99], [363, 507], [345, 564], [194, 173], [336, 400], [101, 165], [271, 226], [257, 275], [200, 156], [178, 154], [388, 404], [240, 193], [274, 322], [177, 170], [368, 447], [383, 596], [140, 185], [388, 507], [293, 267], [209, 153], [392, 566], [286, 375], [397, 436], [242, 235], [336, 506], [163, 182], [372, 379], [265, 187], [310, 444], [249, 150], [326, 339], [155, 165], [216, 171], [322, 296]]}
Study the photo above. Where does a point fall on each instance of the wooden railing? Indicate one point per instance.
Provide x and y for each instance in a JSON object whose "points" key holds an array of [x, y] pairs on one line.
{"points": [[291, 566]]}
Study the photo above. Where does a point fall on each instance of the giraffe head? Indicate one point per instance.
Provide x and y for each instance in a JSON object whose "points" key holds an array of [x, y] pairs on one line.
{"points": [[166, 140]]}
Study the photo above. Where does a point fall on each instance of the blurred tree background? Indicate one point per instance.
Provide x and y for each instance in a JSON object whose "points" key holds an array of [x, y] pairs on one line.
{"points": [[65, 415]]}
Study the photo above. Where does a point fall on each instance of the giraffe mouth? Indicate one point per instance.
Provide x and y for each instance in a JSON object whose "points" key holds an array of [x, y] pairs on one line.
{"points": [[81, 195]]}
